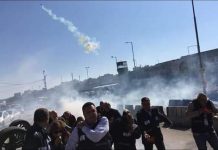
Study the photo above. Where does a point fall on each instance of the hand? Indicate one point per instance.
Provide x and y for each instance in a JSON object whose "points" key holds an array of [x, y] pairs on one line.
{"points": [[170, 125], [58, 140], [146, 136], [205, 110], [149, 138]]}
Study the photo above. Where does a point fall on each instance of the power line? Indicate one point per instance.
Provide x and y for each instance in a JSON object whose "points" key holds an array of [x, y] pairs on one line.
{"points": [[18, 84]]}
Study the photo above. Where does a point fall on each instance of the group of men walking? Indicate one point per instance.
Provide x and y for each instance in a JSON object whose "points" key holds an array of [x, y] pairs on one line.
{"points": [[104, 127]]}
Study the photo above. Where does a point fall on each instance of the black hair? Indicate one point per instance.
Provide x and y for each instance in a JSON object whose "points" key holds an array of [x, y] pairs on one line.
{"points": [[145, 99], [87, 104], [125, 112], [41, 115], [200, 95]]}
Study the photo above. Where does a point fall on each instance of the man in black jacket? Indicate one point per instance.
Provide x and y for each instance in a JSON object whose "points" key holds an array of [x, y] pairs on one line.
{"points": [[125, 132], [201, 111], [37, 136], [148, 120], [111, 113]]}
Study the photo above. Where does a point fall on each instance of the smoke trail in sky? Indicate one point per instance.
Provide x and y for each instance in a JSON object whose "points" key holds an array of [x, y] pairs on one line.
{"points": [[90, 45]]}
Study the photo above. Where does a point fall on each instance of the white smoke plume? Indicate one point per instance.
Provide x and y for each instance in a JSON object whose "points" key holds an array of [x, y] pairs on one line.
{"points": [[89, 44]]}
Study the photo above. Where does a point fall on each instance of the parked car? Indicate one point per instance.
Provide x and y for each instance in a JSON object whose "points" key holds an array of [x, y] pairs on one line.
{"points": [[14, 114], [4, 118], [12, 137]]}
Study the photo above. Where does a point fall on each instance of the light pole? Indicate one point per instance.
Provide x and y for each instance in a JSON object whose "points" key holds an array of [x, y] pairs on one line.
{"points": [[190, 47], [133, 57], [72, 76], [87, 72], [44, 80], [199, 52], [115, 59]]}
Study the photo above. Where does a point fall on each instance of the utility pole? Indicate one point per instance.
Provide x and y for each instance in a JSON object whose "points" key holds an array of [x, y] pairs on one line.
{"points": [[188, 47], [87, 72], [72, 76], [199, 52], [61, 79], [44, 80], [133, 56], [115, 60]]}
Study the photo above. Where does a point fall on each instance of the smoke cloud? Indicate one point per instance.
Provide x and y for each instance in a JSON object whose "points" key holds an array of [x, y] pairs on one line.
{"points": [[89, 44], [66, 98]]}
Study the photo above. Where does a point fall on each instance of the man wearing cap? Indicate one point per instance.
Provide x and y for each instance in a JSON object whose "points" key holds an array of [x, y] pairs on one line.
{"points": [[148, 120], [201, 111]]}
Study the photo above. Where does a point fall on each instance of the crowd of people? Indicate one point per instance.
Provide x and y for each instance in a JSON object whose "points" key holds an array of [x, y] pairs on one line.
{"points": [[104, 127]]}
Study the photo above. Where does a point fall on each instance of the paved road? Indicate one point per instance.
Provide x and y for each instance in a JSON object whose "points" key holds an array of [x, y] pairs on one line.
{"points": [[175, 140]]}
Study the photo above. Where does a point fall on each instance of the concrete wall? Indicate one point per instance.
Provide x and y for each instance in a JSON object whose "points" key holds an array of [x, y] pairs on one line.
{"points": [[174, 113], [177, 115], [134, 109]]}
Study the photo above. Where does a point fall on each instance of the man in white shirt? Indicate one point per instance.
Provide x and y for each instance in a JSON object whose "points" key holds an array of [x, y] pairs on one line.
{"points": [[93, 133]]}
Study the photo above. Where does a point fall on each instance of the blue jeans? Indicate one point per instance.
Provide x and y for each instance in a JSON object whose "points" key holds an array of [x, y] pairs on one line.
{"points": [[202, 138]]}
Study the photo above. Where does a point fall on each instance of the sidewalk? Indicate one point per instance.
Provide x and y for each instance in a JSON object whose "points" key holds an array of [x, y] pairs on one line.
{"points": [[175, 140]]}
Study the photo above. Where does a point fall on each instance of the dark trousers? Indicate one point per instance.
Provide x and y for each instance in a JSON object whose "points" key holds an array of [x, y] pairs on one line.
{"points": [[202, 138], [158, 143]]}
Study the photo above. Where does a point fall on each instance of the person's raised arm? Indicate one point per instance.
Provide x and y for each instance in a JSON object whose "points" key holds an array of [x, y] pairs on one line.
{"points": [[95, 135], [73, 140]]}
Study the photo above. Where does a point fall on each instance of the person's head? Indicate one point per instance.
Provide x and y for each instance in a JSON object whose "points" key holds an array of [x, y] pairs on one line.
{"points": [[53, 115], [202, 99], [127, 117], [101, 104], [66, 114], [107, 106], [90, 113], [41, 117], [145, 102], [80, 118], [56, 128], [62, 119]]}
